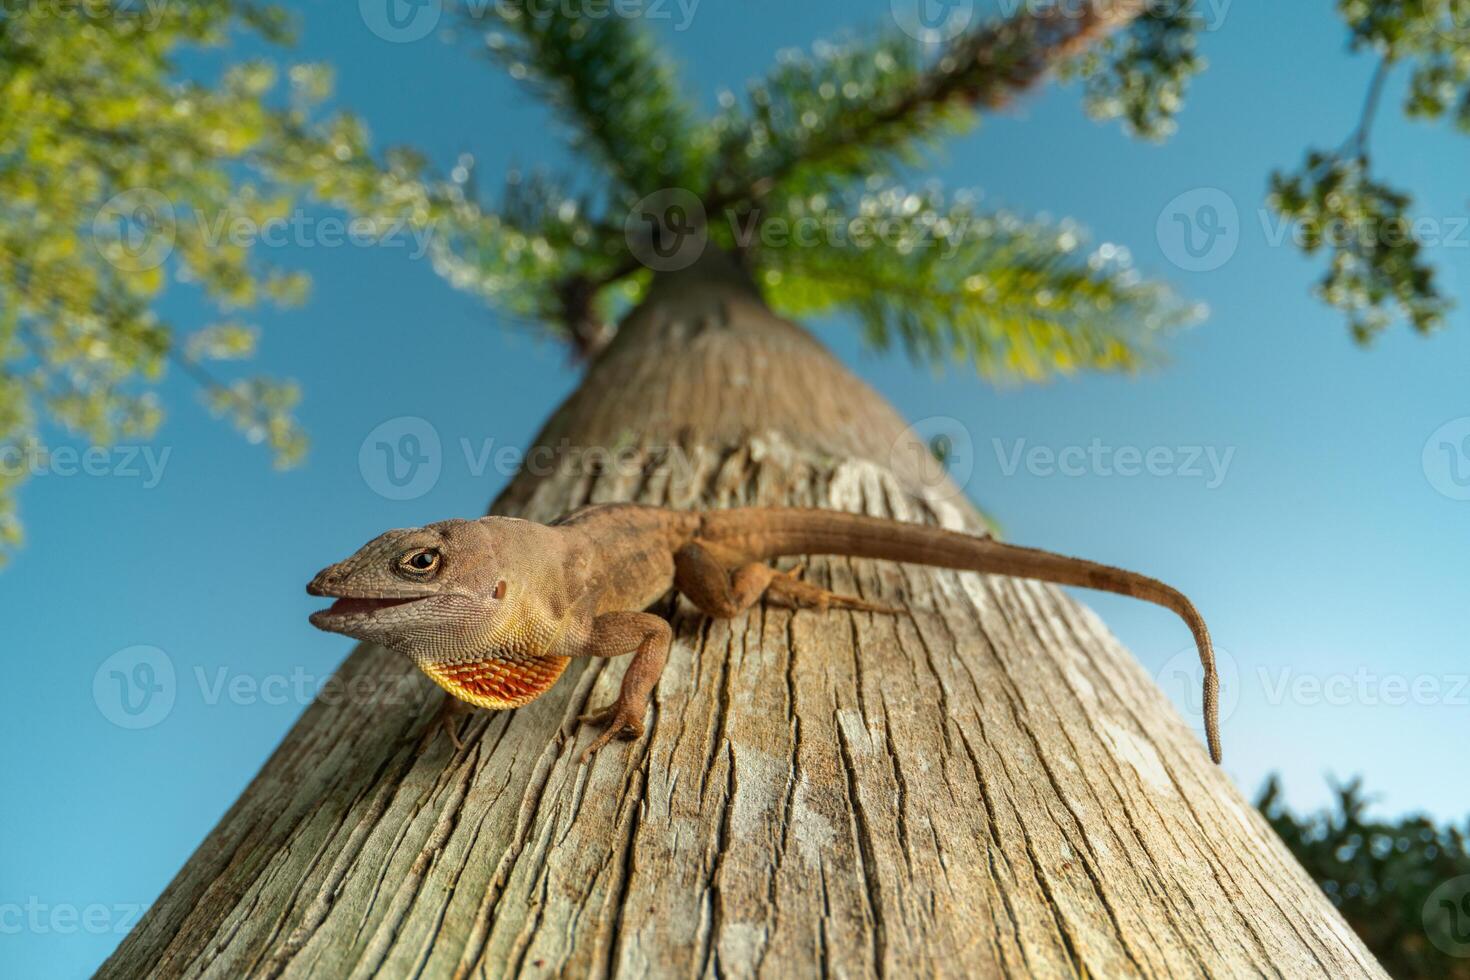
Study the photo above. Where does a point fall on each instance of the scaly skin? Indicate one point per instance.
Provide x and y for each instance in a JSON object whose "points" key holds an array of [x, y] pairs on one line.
{"points": [[493, 609]]}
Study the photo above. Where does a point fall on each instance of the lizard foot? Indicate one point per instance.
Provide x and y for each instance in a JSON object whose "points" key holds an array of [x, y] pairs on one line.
{"points": [[787, 590], [622, 722], [447, 721]]}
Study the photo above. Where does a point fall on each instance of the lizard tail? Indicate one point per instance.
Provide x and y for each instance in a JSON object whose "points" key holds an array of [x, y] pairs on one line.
{"points": [[767, 533]]}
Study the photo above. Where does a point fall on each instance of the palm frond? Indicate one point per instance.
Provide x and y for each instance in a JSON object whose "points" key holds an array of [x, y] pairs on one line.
{"points": [[946, 281]]}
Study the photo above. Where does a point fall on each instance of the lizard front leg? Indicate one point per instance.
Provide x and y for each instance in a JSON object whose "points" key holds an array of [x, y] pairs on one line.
{"points": [[446, 720], [614, 634]]}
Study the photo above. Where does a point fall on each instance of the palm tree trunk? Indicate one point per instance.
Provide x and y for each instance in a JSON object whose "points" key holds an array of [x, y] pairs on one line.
{"points": [[989, 785]]}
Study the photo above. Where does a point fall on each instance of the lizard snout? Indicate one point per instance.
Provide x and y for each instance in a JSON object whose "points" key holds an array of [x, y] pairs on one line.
{"points": [[323, 582]]}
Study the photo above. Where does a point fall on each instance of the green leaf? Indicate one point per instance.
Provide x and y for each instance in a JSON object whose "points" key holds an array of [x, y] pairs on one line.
{"points": [[1377, 273], [1142, 75], [121, 180]]}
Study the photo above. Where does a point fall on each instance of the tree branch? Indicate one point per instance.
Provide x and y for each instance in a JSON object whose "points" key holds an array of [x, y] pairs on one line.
{"points": [[1358, 142]]}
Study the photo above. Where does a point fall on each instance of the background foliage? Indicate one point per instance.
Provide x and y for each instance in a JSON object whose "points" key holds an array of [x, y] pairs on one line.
{"points": [[1385, 877], [118, 175]]}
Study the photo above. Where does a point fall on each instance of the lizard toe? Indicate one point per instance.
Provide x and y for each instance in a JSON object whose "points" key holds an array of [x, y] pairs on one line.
{"points": [[622, 723], [598, 716]]}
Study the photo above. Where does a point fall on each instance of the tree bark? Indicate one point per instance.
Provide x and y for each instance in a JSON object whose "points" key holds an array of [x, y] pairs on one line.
{"points": [[988, 785]]}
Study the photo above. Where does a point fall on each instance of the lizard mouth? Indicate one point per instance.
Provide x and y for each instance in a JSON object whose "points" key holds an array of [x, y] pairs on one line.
{"points": [[349, 608]]}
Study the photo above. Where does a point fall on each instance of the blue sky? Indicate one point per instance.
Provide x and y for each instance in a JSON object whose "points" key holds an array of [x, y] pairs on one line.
{"points": [[1327, 556]]}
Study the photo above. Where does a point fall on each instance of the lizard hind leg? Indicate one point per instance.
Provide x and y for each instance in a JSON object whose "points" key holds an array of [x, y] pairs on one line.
{"points": [[720, 593], [788, 590]]}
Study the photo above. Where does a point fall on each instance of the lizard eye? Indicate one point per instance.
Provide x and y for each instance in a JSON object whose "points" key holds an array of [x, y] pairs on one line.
{"points": [[420, 562]]}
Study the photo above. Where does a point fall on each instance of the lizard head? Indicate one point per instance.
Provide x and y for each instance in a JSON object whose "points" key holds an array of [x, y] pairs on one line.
{"points": [[424, 591]]}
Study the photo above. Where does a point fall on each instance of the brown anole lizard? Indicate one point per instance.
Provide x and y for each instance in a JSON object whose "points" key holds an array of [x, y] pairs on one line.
{"points": [[493, 609]]}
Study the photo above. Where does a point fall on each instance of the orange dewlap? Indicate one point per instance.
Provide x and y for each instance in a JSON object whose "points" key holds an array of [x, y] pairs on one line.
{"points": [[498, 684]]}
